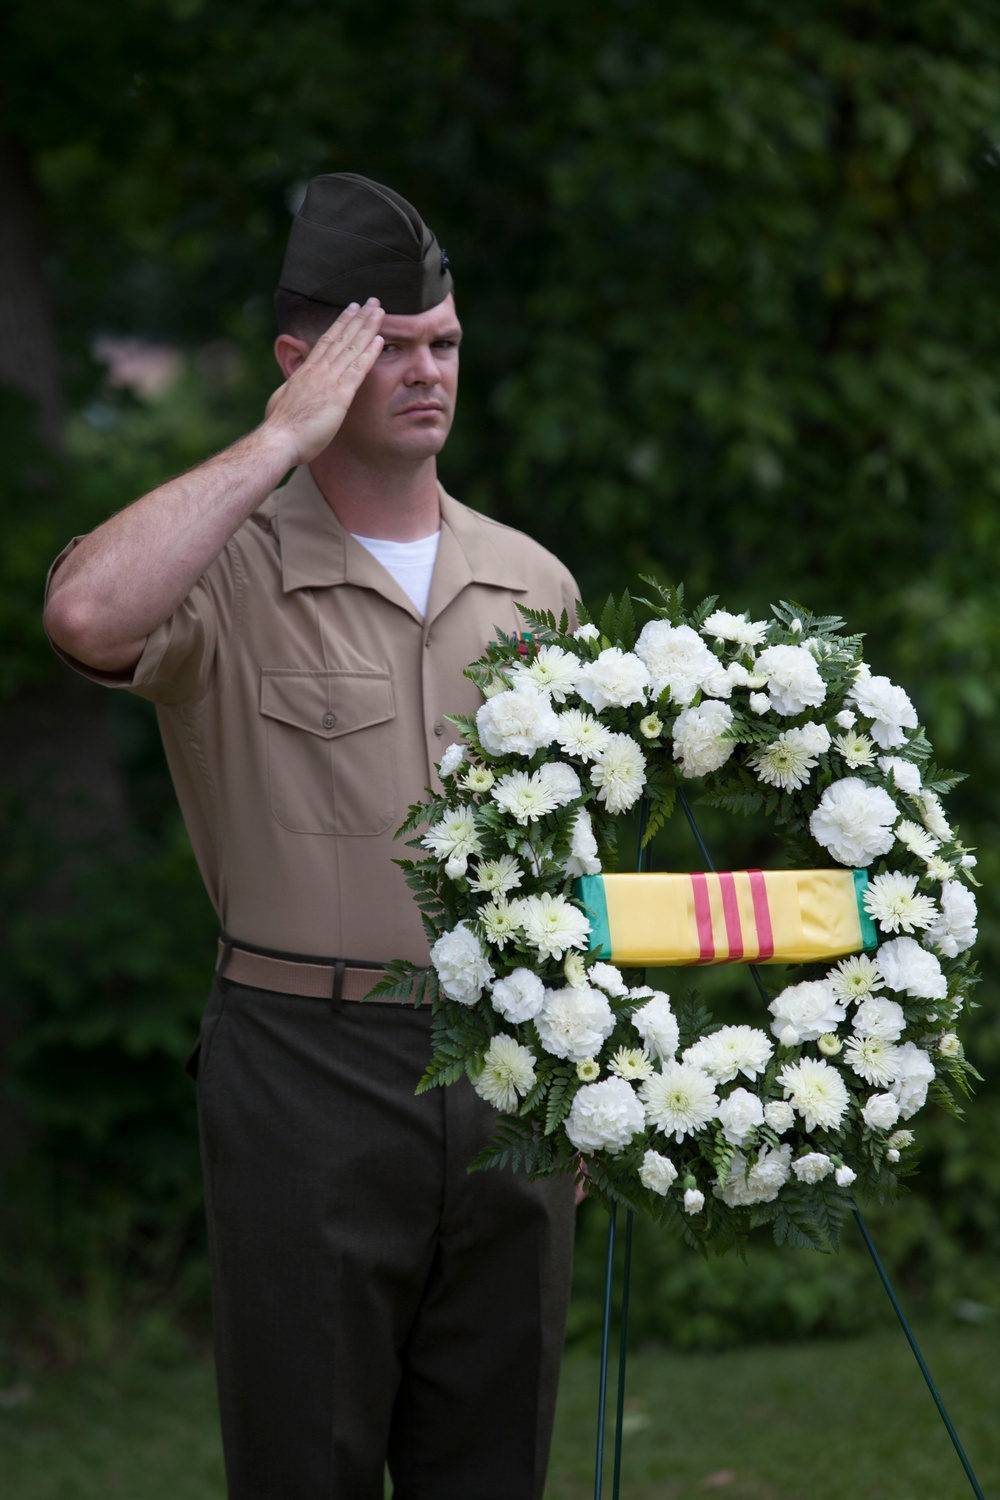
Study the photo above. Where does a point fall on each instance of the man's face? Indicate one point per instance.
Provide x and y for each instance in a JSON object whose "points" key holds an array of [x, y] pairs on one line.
{"points": [[404, 408]]}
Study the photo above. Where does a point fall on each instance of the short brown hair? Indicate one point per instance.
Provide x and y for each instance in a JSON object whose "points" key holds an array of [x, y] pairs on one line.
{"points": [[303, 317]]}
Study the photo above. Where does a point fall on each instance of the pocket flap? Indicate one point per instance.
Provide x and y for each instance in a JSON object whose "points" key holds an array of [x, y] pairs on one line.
{"points": [[327, 704]]}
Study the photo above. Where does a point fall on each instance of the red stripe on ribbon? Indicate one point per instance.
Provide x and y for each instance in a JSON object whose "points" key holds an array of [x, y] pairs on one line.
{"points": [[703, 916], [731, 912], [762, 915]]}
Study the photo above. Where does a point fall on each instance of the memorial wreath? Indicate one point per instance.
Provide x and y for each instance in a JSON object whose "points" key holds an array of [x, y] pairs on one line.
{"points": [[709, 1128]]}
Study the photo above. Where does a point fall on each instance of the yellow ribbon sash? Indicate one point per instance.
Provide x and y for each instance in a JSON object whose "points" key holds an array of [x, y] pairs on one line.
{"points": [[727, 917]]}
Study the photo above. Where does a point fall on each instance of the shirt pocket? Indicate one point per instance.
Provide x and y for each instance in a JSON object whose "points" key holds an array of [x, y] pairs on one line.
{"points": [[331, 764]]}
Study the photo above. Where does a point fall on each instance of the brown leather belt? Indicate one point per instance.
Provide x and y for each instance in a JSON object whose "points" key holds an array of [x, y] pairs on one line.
{"points": [[333, 979]]}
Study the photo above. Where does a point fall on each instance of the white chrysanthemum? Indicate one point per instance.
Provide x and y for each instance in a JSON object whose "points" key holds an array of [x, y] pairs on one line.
{"points": [[517, 722], [553, 670], [911, 970], [793, 679], [616, 679], [939, 869], [518, 997], [676, 658], [583, 858], [631, 1062], [657, 1025], [589, 1070], [786, 762], [723, 626], [904, 773], [608, 978], [854, 822], [855, 977], [699, 738], [812, 1167], [651, 726], [574, 1022], [804, 1012], [605, 1116], [497, 875], [582, 735], [451, 760], [914, 1072], [657, 1173], [478, 779], [462, 965], [501, 921], [694, 1200], [574, 969], [620, 774], [508, 1074], [760, 703], [949, 1045], [779, 1115], [872, 1058], [887, 706], [955, 929], [881, 1018], [454, 839], [915, 838], [729, 1051], [760, 1183], [934, 818], [857, 749], [680, 1100], [525, 795], [586, 633], [817, 1092], [740, 1113], [881, 1111], [561, 782], [552, 925], [896, 905]]}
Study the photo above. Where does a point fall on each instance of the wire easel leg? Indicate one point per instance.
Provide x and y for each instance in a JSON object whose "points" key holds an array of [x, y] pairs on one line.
{"points": [[602, 1397], [622, 1356]]}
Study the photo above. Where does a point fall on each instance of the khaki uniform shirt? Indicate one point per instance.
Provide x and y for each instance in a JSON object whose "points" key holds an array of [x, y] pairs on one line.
{"points": [[301, 699]]}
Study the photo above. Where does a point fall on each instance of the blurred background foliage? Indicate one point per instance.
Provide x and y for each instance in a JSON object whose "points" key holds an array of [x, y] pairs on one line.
{"points": [[728, 279]]}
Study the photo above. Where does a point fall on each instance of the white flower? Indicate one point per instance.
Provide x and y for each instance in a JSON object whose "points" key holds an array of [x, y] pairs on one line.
{"points": [[949, 1045], [829, 1044], [816, 737], [604, 1116], [854, 821], [760, 703], [680, 1100], [454, 838], [855, 977], [657, 1025], [760, 1183], [787, 761], [914, 1072], [846, 719], [574, 969], [934, 818], [939, 869], [881, 1018], [525, 796], [651, 726], [584, 858], [955, 929], [900, 1139], [694, 1200], [508, 1073], [729, 1051], [699, 742], [916, 839], [582, 735], [499, 875], [588, 1071], [462, 965], [895, 904], [911, 970], [517, 722], [740, 1113], [676, 658], [553, 670], [586, 633], [478, 779], [519, 997], [616, 679], [726, 627], [561, 782], [501, 920], [803, 1012], [844, 1176], [881, 1111], [904, 773], [779, 1115], [892, 1155], [451, 760], [552, 925], [574, 1022], [738, 675], [657, 1173], [888, 707], [631, 1062], [857, 749], [620, 774], [608, 978], [872, 1059], [793, 679], [817, 1092], [812, 1167]]}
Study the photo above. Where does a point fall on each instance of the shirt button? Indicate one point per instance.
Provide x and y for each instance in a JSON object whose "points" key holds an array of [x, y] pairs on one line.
{"points": [[439, 728], [329, 720]]}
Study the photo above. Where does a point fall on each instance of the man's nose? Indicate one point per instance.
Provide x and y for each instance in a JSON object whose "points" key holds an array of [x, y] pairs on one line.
{"points": [[422, 368]]}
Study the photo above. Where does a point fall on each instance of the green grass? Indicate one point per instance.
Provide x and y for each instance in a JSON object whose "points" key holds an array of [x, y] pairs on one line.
{"points": [[819, 1421]]}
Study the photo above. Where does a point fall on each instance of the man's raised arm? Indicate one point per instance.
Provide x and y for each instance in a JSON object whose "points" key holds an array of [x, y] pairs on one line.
{"points": [[128, 576]]}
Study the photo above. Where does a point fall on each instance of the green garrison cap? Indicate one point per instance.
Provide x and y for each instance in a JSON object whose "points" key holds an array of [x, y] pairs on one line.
{"points": [[353, 239]]}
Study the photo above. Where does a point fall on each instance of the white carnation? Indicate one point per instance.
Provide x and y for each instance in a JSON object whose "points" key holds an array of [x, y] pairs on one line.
{"points": [[904, 773], [561, 782], [955, 929], [451, 760], [680, 1100], [657, 1025], [605, 1116], [760, 703], [914, 1072], [740, 1113], [699, 742], [694, 1200], [586, 633], [462, 965], [805, 1012], [879, 1017], [620, 774], [812, 1167], [779, 1115], [909, 969], [508, 1074], [574, 1022], [676, 658], [723, 626], [729, 1051], [854, 822], [609, 978], [657, 1173], [793, 678], [616, 679], [552, 924], [760, 1183], [934, 818], [517, 722], [584, 858], [519, 997], [888, 707], [881, 1111]]}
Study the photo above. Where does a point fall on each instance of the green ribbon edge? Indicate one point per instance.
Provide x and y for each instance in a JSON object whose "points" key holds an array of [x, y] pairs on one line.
{"points": [[869, 932], [589, 891]]}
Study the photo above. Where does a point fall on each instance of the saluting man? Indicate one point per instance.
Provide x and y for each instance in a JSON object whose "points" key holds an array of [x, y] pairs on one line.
{"points": [[373, 1301]]}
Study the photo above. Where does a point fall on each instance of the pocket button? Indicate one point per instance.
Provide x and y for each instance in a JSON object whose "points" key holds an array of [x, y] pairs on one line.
{"points": [[329, 720]]}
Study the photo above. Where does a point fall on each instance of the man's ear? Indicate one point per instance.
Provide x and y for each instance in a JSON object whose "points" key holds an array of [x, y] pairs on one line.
{"points": [[290, 352]]}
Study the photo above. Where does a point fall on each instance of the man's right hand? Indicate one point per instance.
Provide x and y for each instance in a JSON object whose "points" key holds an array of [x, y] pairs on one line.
{"points": [[322, 381]]}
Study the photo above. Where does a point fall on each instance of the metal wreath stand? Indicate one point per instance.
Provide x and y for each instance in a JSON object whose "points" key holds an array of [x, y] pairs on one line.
{"points": [[602, 1402]]}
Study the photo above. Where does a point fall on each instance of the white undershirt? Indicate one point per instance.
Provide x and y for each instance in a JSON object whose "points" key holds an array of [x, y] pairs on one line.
{"points": [[410, 563]]}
